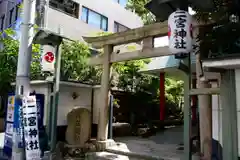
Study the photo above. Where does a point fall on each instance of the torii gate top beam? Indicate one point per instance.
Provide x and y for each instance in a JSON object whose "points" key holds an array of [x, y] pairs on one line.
{"points": [[133, 35]]}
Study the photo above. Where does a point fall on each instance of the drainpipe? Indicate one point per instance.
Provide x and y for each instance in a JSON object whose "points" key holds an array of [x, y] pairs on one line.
{"points": [[162, 96]]}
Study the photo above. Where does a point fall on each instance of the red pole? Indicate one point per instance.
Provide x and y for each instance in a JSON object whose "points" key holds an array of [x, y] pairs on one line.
{"points": [[162, 96], [194, 102]]}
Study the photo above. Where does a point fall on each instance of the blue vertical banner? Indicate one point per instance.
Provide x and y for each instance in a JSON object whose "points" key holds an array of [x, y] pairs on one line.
{"points": [[9, 120], [18, 135], [11, 123]]}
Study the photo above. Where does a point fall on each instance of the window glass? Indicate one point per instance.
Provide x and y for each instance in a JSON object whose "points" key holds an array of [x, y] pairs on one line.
{"points": [[84, 14], [115, 27], [123, 3], [94, 19], [104, 25], [119, 27]]}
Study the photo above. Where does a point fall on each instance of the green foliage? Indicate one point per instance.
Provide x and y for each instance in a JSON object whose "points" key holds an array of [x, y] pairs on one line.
{"points": [[8, 61], [74, 63], [174, 90], [137, 6], [74, 60]]}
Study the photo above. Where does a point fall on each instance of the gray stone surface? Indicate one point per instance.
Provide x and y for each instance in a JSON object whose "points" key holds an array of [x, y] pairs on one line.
{"points": [[163, 144]]}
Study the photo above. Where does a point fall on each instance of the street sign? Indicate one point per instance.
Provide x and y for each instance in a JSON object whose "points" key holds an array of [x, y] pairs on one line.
{"points": [[48, 58]]}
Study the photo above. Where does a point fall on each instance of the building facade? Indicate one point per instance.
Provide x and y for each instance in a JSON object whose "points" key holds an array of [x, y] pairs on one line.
{"points": [[75, 18]]}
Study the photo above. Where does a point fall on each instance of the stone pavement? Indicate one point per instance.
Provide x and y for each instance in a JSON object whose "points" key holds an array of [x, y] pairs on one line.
{"points": [[163, 144]]}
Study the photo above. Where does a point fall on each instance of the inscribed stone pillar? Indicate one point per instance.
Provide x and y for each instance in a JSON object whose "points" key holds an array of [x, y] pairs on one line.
{"points": [[78, 126]]}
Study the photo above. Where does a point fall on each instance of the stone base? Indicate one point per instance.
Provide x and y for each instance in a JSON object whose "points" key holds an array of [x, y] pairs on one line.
{"points": [[106, 156], [102, 145]]}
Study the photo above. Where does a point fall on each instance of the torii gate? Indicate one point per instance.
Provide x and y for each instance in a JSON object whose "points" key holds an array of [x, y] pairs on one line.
{"points": [[147, 35]]}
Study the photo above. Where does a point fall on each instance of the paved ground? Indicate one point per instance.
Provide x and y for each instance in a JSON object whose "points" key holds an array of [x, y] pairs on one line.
{"points": [[163, 144]]}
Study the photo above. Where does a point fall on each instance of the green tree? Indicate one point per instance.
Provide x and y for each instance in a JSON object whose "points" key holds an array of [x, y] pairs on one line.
{"points": [[74, 63], [137, 6], [8, 61]]}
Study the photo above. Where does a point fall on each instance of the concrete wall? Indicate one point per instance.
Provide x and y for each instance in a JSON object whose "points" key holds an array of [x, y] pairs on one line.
{"points": [[217, 112], [66, 102], [216, 116], [75, 28], [237, 77]]}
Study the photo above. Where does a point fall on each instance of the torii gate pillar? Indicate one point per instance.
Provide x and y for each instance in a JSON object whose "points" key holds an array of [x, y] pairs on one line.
{"points": [[103, 117]]}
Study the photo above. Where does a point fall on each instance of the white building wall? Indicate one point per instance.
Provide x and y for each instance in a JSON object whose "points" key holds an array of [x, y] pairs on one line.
{"points": [[216, 116], [66, 102], [74, 28]]}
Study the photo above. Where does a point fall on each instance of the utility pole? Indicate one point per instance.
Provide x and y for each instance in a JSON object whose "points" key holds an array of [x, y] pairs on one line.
{"points": [[24, 62]]}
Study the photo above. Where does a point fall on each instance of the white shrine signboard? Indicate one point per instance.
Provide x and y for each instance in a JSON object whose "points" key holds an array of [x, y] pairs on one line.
{"points": [[30, 122], [180, 32]]}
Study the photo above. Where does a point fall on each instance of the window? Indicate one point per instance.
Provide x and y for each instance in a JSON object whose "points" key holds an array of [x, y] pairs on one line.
{"points": [[122, 2], [94, 18], [2, 19], [11, 17], [119, 27], [17, 12], [68, 7]]}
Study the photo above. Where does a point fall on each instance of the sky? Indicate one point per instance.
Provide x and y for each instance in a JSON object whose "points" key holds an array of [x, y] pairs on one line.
{"points": [[163, 41]]}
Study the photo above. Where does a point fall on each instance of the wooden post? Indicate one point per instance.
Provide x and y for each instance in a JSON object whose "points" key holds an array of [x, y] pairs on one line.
{"points": [[104, 100], [205, 114], [162, 96]]}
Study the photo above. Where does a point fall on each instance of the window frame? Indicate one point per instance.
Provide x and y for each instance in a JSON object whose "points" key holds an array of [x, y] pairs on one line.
{"points": [[2, 18], [10, 20], [102, 17], [119, 24], [53, 4], [17, 11]]}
